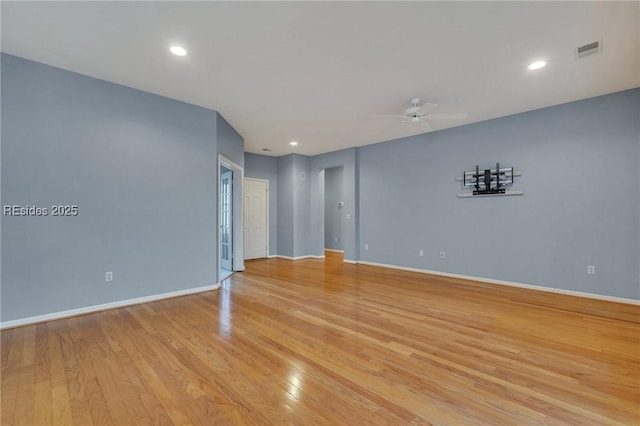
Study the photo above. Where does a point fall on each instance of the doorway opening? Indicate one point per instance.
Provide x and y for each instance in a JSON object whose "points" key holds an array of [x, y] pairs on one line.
{"points": [[333, 203], [230, 231]]}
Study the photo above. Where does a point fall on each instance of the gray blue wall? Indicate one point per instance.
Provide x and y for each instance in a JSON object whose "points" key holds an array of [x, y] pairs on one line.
{"points": [[293, 205], [581, 205], [230, 143], [333, 194], [301, 206], [263, 167], [142, 170], [285, 206]]}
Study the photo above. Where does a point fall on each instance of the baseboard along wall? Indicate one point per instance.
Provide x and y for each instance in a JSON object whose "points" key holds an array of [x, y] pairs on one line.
{"points": [[505, 283], [104, 307]]}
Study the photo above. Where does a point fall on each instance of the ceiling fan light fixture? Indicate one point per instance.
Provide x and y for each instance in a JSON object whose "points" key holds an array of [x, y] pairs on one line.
{"points": [[421, 114], [537, 65], [178, 50]]}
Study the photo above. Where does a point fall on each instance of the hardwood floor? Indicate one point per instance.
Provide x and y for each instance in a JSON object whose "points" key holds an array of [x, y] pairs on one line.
{"points": [[322, 342]]}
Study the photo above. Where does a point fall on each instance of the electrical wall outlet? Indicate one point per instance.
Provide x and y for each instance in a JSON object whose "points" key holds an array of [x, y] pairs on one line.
{"points": [[108, 277], [421, 253], [441, 255], [591, 270]]}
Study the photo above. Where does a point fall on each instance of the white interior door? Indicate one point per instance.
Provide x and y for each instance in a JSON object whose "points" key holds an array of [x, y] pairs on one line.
{"points": [[256, 218], [226, 240]]}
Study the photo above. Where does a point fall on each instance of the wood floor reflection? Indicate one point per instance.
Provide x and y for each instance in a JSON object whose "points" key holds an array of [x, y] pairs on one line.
{"points": [[322, 342]]}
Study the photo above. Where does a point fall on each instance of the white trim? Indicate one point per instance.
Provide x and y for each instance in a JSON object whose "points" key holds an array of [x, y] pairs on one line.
{"points": [[353, 262], [299, 257], [105, 306], [334, 251], [272, 256], [237, 212], [507, 283]]}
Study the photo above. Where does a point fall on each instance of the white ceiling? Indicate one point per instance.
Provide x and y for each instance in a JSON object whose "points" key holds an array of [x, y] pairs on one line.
{"points": [[317, 72]]}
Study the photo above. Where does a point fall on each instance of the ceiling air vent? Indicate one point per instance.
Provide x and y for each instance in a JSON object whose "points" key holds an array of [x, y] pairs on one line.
{"points": [[266, 149], [588, 49]]}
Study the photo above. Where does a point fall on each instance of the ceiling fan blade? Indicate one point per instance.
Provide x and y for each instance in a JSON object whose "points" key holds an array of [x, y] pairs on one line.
{"points": [[391, 116], [426, 107], [423, 125], [387, 128], [447, 115]]}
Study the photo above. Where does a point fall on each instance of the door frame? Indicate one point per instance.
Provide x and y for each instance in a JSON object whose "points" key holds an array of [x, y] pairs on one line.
{"points": [[237, 209], [226, 217], [268, 222]]}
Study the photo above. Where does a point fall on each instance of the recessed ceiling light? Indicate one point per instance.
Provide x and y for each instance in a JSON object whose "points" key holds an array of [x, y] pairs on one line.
{"points": [[293, 143], [537, 65], [178, 50]]}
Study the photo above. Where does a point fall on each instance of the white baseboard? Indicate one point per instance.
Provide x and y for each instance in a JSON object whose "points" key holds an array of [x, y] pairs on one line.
{"points": [[334, 250], [289, 257], [272, 256], [353, 262], [506, 283], [299, 257], [104, 306]]}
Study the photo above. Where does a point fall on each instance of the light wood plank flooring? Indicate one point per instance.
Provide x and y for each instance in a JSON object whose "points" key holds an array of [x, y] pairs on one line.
{"points": [[322, 342]]}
